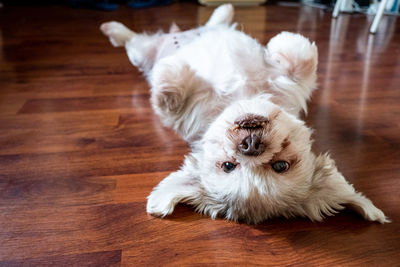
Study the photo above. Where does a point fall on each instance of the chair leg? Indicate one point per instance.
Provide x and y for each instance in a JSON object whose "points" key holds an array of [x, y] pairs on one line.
{"points": [[336, 10], [378, 16]]}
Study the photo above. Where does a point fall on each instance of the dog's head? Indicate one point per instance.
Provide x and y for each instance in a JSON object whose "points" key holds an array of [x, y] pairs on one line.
{"points": [[256, 157], [255, 136], [255, 162]]}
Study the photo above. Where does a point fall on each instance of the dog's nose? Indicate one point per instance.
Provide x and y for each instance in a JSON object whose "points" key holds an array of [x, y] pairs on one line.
{"points": [[252, 145]]}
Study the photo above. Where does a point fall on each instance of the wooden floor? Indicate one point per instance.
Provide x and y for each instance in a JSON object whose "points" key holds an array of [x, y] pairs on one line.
{"points": [[80, 148]]}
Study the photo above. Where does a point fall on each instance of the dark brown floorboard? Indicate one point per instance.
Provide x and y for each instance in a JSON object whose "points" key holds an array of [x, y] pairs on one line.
{"points": [[80, 148]]}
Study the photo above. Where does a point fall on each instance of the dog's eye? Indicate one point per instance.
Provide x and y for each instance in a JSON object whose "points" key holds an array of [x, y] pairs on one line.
{"points": [[228, 166], [280, 166]]}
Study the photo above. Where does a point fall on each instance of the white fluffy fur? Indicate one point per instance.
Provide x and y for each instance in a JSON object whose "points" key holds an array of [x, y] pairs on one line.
{"points": [[200, 87]]}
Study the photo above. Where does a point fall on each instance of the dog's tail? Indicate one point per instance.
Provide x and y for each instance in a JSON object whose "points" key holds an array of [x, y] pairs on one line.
{"points": [[221, 15]]}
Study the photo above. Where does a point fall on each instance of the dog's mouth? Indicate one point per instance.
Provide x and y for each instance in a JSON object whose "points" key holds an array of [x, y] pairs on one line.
{"points": [[250, 122]]}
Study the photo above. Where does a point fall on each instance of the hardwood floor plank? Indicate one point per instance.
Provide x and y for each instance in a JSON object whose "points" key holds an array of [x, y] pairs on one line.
{"points": [[61, 123], [55, 139], [91, 162], [104, 258], [77, 191], [75, 87], [81, 104]]}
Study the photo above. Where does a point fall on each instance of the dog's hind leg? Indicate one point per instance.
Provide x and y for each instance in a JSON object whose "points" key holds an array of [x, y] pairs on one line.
{"points": [[221, 15], [145, 49], [117, 32], [141, 48]]}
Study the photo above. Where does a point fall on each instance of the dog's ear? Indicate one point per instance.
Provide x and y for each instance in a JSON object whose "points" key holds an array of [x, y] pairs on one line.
{"points": [[330, 191], [182, 186]]}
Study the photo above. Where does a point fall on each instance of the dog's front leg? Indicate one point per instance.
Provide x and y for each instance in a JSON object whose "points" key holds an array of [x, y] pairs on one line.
{"points": [[183, 100], [293, 63], [177, 187], [171, 83]]}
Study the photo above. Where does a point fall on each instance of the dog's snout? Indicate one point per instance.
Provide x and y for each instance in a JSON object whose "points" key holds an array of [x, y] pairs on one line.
{"points": [[252, 145], [251, 122]]}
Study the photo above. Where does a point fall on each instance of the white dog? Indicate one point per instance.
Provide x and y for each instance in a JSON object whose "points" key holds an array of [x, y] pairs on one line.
{"points": [[237, 103]]}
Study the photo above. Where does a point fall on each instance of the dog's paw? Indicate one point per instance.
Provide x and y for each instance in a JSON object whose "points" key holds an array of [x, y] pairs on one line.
{"points": [[160, 203], [291, 45], [293, 54], [116, 32]]}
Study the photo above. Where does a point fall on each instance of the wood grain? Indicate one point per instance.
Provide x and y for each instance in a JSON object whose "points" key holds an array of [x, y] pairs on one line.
{"points": [[80, 148]]}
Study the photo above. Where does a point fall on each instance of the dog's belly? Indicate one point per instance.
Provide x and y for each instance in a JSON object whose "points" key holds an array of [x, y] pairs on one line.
{"points": [[229, 60], [173, 42]]}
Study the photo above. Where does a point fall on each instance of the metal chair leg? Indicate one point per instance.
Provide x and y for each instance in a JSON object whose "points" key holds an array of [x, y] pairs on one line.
{"points": [[336, 10], [378, 16]]}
